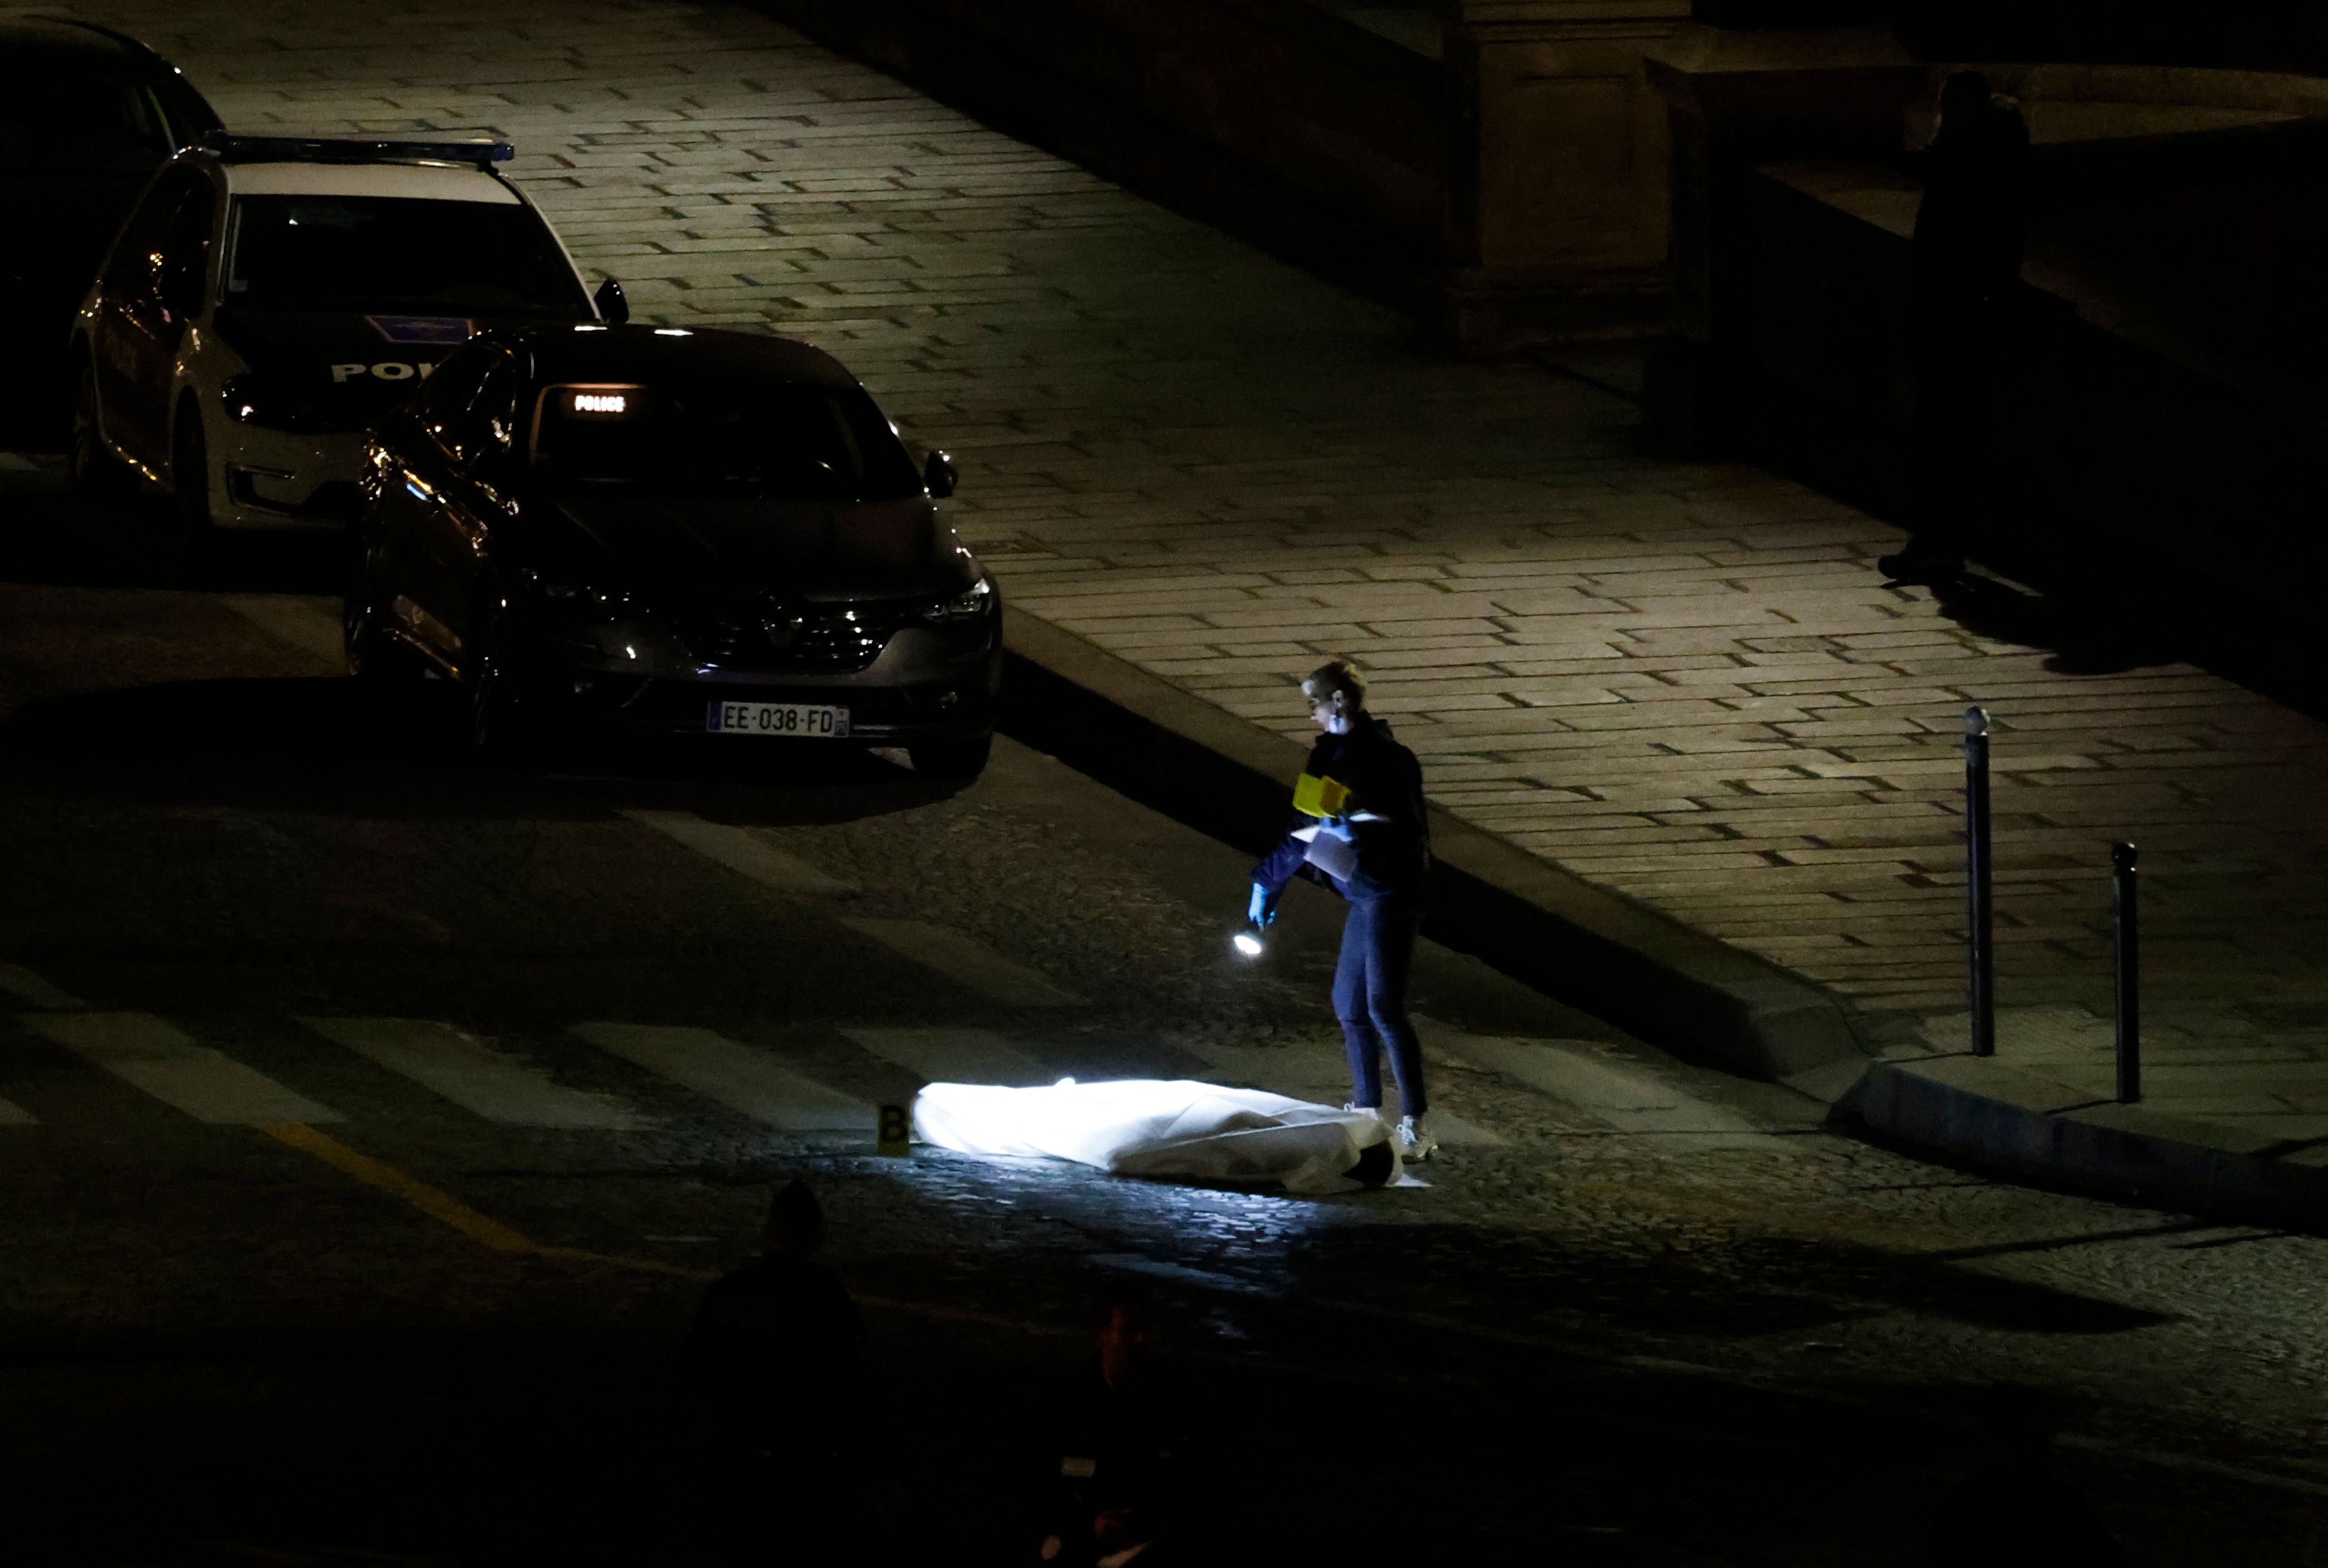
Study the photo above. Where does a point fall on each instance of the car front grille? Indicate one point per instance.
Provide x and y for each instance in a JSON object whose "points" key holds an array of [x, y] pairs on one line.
{"points": [[791, 639]]}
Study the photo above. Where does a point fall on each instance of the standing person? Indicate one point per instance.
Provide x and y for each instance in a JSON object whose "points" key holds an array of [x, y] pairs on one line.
{"points": [[1971, 228], [779, 1346], [1363, 829]]}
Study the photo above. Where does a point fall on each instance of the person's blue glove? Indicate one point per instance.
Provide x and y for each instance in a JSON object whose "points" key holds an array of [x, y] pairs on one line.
{"points": [[1261, 910]]}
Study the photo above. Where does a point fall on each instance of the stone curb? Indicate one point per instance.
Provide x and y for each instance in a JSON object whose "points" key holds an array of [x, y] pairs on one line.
{"points": [[1227, 777], [2013, 1123]]}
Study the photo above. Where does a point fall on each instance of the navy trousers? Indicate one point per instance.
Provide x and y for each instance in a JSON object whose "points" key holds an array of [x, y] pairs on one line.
{"points": [[1370, 997]]}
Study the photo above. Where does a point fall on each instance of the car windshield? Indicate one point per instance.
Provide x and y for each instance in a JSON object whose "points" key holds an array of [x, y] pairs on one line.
{"points": [[396, 255], [65, 123], [775, 442]]}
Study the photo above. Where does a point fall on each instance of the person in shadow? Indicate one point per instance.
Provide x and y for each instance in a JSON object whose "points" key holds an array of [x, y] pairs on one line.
{"points": [[1111, 1459], [1971, 228], [2015, 1511], [780, 1349]]}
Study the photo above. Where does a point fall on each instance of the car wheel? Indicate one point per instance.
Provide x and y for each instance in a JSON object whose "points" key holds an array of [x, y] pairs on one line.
{"points": [[189, 484], [954, 759], [95, 472]]}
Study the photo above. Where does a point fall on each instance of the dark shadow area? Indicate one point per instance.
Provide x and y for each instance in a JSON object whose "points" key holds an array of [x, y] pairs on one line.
{"points": [[1504, 1278], [328, 742], [2083, 637], [49, 535]]}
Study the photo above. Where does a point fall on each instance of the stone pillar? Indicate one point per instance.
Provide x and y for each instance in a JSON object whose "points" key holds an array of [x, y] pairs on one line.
{"points": [[1559, 184]]}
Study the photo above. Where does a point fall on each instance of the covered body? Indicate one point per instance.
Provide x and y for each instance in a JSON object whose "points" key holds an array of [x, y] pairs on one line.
{"points": [[1154, 1128]]}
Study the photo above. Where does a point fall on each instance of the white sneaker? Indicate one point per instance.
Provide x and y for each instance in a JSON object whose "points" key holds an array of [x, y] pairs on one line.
{"points": [[1414, 1143]]}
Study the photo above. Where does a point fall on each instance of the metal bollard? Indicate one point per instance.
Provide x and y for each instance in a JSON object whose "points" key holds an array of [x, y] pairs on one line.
{"points": [[1979, 893], [2126, 949]]}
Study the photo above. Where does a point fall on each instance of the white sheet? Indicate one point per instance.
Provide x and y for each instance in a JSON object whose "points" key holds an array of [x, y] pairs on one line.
{"points": [[1148, 1127]]}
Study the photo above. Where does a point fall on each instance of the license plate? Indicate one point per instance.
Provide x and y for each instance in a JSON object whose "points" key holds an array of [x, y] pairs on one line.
{"points": [[794, 718]]}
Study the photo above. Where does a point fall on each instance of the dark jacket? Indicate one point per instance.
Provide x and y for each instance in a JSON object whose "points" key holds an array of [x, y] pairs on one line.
{"points": [[1386, 781], [1973, 222], [779, 1345]]}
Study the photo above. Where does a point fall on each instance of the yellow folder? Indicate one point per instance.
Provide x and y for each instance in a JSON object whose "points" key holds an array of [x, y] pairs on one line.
{"points": [[1320, 797]]}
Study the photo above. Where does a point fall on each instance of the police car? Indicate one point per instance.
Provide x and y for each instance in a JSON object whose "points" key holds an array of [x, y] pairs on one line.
{"points": [[270, 298], [87, 115]]}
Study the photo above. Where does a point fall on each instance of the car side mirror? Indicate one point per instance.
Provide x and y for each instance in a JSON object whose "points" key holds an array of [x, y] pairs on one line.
{"points": [[613, 308], [938, 477]]}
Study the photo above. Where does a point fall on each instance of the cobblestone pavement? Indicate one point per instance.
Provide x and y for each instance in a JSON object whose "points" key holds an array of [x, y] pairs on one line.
{"points": [[1651, 1312], [1682, 681]]}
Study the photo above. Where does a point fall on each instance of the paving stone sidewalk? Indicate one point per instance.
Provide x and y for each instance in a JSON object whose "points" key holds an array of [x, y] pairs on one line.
{"points": [[1682, 681]]}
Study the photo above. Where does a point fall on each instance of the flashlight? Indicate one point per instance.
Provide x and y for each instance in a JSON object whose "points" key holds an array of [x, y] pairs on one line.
{"points": [[1248, 941]]}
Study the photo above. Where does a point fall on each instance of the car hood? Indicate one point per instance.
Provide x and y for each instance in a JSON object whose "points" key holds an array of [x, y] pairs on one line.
{"points": [[348, 369], [732, 549]]}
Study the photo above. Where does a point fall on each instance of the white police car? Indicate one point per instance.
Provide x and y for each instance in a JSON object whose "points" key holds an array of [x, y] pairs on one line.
{"points": [[269, 297]]}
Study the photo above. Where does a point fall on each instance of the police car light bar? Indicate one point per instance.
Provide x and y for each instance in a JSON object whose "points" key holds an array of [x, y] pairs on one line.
{"points": [[237, 149]]}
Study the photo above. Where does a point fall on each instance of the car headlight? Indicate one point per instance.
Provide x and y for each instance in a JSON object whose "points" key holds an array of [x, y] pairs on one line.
{"points": [[981, 600]]}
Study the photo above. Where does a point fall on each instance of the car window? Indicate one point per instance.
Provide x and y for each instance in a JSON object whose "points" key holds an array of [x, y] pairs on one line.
{"points": [[470, 406], [772, 441], [135, 263], [397, 256], [51, 122], [184, 245], [444, 399]]}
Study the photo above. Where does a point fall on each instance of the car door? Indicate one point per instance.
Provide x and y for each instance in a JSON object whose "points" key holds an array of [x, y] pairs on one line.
{"points": [[470, 426], [474, 502], [150, 297], [404, 528], [130, 268]]}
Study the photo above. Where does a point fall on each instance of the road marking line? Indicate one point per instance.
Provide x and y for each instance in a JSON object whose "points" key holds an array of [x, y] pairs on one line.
{"points": [[965, 962], [436, 1204], [1632, 1101], [739, 1076], [473, 1075], [22, 982], [1322, 1075], [162, 1059], [741, 850], [956, 1056], [309, 624]]}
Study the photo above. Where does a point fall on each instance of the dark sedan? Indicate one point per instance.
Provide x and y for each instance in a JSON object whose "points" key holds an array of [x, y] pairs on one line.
{"points": [[673, 532], [87, 115]]}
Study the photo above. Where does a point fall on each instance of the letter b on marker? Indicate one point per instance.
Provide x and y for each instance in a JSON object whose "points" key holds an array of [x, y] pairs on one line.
{"points": [[896, 1136]]}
